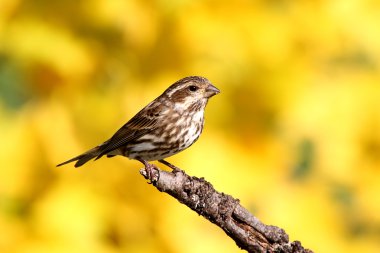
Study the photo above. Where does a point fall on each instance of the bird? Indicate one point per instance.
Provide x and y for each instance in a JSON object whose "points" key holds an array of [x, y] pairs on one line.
{"points": [[166, 126]]}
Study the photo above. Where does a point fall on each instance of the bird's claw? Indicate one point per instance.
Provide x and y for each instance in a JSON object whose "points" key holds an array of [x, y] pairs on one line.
{"points": [[150, 172], [174, 168]]}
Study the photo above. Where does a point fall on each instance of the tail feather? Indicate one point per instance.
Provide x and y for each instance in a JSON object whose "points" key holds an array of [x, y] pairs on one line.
{"points": [[83, 158]]}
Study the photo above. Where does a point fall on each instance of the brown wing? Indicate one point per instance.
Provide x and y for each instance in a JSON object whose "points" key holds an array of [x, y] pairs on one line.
{"points": [[142, 123]]}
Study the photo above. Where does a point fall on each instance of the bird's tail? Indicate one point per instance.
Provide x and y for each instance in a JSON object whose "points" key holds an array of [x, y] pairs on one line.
{"points": [[83, 158]]}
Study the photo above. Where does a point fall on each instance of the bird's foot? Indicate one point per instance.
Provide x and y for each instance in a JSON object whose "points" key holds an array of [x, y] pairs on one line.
{"points": [[173, 167], [150, 172]]}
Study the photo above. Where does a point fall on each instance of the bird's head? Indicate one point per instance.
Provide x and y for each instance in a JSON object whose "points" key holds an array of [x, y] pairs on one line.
{"points": [[190, 91]]}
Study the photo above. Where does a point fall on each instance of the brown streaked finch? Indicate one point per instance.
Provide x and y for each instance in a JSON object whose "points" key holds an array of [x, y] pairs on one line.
{"points": [[169, 124]]}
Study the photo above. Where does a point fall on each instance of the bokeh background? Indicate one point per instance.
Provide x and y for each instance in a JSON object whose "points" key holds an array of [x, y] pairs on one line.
{"points": [[294, 133]]}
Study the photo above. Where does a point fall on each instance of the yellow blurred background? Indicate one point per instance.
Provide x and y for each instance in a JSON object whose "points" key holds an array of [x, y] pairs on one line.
{"points": [[294, 133]]}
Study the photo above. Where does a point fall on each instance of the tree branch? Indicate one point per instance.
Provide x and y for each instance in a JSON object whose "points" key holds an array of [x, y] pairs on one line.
{"points": [[246, 230]]}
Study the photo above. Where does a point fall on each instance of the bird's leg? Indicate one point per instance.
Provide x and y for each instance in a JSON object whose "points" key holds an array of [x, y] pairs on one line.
{"points": [[174, 168], [151, 171]]}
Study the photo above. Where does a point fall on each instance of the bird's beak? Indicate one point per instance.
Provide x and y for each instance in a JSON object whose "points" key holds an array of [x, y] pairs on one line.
{"points": [[211, 90]]}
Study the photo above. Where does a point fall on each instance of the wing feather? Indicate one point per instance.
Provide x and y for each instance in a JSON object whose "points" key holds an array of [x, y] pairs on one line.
{"points": [[142, 123]]}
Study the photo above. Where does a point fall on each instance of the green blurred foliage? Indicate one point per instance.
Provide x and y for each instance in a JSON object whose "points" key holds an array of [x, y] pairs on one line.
{"points": [[294, 134]]}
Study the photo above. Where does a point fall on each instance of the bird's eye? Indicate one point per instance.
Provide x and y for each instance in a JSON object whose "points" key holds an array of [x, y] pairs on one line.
{"points": [[193, 88]]}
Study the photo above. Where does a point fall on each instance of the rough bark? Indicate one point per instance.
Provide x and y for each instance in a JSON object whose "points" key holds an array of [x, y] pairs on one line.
{"points": [[245, 229]]}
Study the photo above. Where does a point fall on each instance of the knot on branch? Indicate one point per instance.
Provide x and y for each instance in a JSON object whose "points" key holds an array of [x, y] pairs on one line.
{"points": [[201, 197]]}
